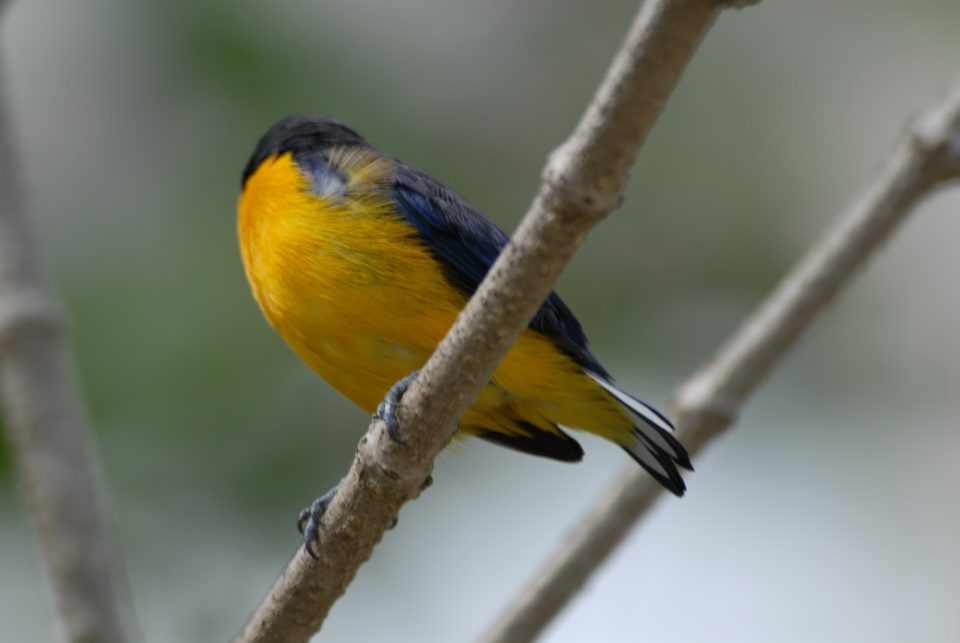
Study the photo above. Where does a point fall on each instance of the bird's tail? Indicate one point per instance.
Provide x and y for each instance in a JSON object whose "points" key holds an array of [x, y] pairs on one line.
{"points": [[651, 443]]}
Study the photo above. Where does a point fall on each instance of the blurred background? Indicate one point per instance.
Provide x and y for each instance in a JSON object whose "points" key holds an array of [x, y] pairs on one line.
{"points": [[828, 514]]}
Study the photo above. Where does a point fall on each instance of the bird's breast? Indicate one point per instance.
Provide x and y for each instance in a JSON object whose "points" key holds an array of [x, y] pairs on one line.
{"points": [[344, 279]]}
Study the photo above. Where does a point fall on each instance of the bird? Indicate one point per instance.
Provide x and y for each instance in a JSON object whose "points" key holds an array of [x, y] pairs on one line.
{"points": [[361, 263]]}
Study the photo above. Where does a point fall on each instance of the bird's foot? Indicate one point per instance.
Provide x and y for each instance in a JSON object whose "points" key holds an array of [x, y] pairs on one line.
{"points": [[309, 521], [387, 410]]}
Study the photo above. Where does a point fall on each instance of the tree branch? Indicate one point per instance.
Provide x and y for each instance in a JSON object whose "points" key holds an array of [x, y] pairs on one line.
{"points": [[47, 426], [708, 403], [582, 183]]}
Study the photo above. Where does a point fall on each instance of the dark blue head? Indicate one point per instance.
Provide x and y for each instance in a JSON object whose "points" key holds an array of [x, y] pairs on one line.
{"points": [[299, 134]]}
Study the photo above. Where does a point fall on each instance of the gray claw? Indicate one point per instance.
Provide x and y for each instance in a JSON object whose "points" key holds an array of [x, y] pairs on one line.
{"points": [[387, 409], [309, 520]]}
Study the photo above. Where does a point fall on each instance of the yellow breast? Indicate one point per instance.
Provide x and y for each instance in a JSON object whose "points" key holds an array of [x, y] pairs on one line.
{"points": [[343, 277]]}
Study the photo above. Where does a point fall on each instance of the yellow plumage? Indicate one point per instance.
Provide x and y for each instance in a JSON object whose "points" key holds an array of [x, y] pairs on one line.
{"points": [[348, 283]]}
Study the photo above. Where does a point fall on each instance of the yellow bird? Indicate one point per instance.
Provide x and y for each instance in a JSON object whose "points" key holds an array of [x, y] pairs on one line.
{"points": [[362, 262]]}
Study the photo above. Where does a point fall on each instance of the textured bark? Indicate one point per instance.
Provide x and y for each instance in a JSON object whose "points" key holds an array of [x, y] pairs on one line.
{"points": [[707, 403], [47, 424], [582, 183]]}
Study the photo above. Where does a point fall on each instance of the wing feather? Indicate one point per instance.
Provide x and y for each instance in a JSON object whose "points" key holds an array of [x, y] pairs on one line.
{"points": [[467, 243]]}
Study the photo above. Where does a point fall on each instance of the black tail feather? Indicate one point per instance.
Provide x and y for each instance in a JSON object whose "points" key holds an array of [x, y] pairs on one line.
{"points": [[665, 471], [535, 441]]}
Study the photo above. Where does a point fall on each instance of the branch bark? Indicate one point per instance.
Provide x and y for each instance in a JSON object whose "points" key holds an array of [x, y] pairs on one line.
{"points": [[707, 403], [46, 423], [582, 183]]}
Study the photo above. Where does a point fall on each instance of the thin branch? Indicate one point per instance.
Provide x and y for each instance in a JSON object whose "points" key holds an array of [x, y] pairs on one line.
{"points": [[583, 183], [708, 403], [47, 425]]}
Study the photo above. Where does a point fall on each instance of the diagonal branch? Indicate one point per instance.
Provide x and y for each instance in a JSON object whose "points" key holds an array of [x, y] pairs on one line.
{"points": [[47, 425], [708, 403], [582, 183]]}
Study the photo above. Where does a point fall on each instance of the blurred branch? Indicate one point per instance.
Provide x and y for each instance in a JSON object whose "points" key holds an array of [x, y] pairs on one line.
{"points": [[582, 183], [45, 420], [708, 403]]}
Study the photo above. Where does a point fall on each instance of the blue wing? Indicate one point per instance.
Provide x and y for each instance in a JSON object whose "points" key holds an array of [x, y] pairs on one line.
{"points": [[466, 243]]}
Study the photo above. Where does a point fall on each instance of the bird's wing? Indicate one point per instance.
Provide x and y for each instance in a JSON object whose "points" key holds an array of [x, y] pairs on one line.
{"points": [[466, 243]]}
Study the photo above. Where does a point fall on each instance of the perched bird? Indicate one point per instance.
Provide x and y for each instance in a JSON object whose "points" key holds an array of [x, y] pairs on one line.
{"points": [[362, 262]]}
